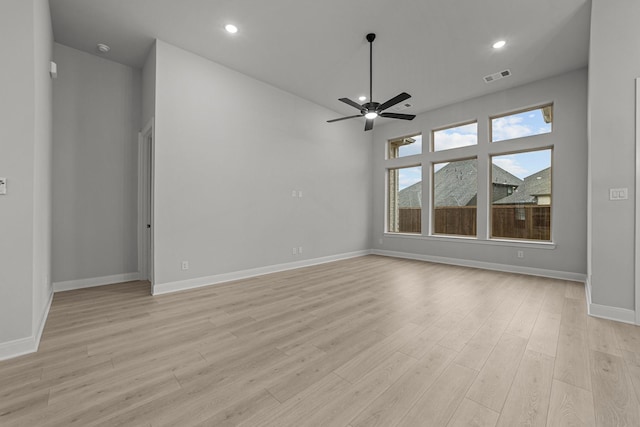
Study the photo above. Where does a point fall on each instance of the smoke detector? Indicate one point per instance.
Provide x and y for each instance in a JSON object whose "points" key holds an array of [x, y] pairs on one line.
{"points": [[497, 76], [103, 48]]}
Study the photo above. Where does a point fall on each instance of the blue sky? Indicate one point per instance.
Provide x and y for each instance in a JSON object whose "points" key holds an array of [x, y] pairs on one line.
{"points": [[519, 125], [411, 149], [503, 128], [409, 176], [524, 164]]}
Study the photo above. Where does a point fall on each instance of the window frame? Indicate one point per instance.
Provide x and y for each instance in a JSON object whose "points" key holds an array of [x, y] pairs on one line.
{"points": [[490, 235], [432, 209], [484, 151], [387, 215]]}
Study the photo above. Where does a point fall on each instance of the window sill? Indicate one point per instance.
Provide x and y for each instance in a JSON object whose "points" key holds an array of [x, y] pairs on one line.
{"points": [[475, 240]]}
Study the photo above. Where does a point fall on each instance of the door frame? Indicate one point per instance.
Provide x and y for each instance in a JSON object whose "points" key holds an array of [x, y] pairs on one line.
{"points": [[146, 186], [637, 205]]}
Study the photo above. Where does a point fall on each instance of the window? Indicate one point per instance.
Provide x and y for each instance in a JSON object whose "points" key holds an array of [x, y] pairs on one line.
{"points": [[406, 146], [455, 194], [405, 200], [455, 137], [535, 121], [521, 195], [514, 179]]}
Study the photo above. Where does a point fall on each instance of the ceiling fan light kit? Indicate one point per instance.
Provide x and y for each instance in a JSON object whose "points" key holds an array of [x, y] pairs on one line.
{"points": [[371, 110]]}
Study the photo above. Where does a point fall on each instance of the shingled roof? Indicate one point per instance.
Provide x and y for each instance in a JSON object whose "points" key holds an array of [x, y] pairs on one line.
{"points": [[501, 176], [411, 197], [455, 185], [537, 184]]}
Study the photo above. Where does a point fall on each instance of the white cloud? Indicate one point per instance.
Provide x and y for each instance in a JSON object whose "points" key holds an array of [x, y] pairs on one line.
{"points": [[509, 128], [511, 165], [461, 136]]}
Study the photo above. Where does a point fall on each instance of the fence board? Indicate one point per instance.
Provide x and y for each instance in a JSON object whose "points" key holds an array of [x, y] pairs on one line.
{"points": [[410, 220], [530, 222]]}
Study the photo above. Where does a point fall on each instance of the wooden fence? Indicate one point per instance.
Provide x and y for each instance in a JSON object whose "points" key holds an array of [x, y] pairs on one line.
{"points": [[409, 220], [458, 220], [508, 221], [521, 222]]}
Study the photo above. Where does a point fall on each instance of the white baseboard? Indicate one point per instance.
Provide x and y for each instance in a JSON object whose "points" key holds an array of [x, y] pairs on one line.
{"points": [[27, 345], [43, 321], [94, 281], [623, 315], [553, 274], [19, 347], [164, 288]]}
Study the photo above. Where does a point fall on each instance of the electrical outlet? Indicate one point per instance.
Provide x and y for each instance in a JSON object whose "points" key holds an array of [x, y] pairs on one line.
{"points": [[520, 254], [295, 251], [299, 249], [618, 193], [294, 193], [300, 193], [185, 265]]}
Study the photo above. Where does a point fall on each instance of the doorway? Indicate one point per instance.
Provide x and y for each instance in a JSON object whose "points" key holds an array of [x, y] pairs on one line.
{"points": [[146, 139]]}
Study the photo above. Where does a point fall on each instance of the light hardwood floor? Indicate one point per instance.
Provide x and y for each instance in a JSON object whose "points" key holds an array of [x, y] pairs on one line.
{"points": [[370, 341]]}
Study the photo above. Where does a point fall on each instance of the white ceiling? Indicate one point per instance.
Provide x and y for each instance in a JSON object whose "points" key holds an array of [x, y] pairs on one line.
{"points": [[436, 50]]}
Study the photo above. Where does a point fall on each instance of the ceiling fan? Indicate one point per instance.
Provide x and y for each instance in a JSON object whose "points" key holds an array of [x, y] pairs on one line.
{"points": [[370, 110]]}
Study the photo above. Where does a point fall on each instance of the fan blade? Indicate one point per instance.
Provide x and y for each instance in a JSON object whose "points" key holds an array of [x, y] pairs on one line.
{"points": [[393, 101], [368, 125], [354, 104], [344, 118], [398, 116]]}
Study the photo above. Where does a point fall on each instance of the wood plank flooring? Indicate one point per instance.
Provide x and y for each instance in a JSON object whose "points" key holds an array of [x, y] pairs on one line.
{"points": [[369, 341]]}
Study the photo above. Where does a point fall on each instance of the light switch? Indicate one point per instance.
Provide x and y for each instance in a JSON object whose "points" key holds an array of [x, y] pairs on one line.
{"points": [[3, 185]]}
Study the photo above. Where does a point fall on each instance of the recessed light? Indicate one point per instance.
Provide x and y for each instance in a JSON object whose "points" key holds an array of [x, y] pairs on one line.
{"points": [[362, 98], [231, 28], [499, 44], [103, 48]]}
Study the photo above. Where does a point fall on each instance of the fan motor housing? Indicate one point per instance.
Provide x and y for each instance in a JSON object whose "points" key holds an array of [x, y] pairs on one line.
{"points": [[371, 106]]}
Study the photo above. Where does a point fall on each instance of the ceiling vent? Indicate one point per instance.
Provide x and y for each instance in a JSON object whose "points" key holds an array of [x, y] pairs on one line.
{"points": [[497, 76], [401, 107]]}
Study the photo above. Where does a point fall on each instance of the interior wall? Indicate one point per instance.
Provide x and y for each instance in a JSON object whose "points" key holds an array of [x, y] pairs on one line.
{"points": [[614, 64], [25, 144], [230, 150], [96, 120], [149, 86], [16, 165], [43, 87], [567, 256]]}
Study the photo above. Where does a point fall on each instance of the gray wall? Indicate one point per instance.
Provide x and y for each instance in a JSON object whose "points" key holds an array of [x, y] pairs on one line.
{"points": [[43, 43], [25, 144], [96, 119], [229, 152], [149, 86], [614, 63], [568, 92]]}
